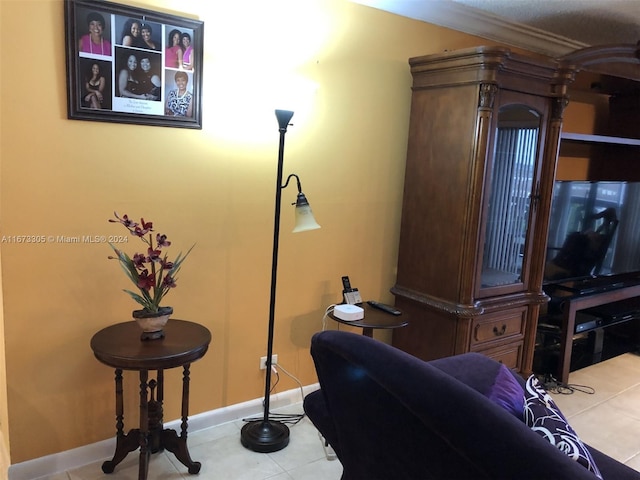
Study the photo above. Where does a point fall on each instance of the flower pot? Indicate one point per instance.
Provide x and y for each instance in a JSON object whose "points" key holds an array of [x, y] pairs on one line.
{"points": [[152, 323]]}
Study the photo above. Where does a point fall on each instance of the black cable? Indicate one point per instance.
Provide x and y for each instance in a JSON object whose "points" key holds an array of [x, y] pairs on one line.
{"points": [[275, 383], [552, 385], [288, 419]]}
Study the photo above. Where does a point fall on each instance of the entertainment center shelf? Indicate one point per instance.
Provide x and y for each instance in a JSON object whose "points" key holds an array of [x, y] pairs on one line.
{"points": [[574, 302], [598, 139], [609, 157], [606, 91], [614, 158]]}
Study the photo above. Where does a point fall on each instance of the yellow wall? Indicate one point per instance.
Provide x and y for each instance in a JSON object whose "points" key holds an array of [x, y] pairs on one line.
{"points": [[214, 187], [4, 410]]}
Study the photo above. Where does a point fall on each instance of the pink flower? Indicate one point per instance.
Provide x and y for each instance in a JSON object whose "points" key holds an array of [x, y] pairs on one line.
{"points": [[151, 272], [153, 255], [166, 265], [143, 229], [124, 220], [162, 241], [139, 260], [146, 281]]}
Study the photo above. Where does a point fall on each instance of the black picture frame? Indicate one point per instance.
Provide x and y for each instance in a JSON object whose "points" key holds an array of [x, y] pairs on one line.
{"points": [[117, 74]]}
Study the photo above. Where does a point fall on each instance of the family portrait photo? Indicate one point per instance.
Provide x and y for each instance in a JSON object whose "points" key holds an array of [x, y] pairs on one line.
{"points": [[132, 65]]}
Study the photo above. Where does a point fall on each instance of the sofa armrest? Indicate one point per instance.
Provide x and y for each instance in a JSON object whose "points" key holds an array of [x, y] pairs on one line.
{"points": [[425, 423], [316, 409]]}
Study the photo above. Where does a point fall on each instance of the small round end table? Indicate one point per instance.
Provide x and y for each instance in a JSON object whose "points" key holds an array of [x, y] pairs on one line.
{"points": [[374, 319], [119, 346]]}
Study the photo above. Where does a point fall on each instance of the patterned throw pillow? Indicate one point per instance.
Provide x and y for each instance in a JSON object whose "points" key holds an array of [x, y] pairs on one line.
{"points": [[544, 417]]}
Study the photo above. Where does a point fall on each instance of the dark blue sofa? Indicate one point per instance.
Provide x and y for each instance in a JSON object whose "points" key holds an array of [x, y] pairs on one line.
{"points": [[389, 415]]}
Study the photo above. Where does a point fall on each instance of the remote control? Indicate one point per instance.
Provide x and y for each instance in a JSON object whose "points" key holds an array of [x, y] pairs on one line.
{"points": [[385, 308]]}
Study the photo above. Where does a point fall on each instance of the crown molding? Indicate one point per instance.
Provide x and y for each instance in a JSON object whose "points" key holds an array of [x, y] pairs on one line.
{"points": [[456, 16]]}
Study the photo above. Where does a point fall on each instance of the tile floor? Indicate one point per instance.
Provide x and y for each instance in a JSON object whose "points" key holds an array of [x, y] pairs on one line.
{"points": [[609, 420], [223, 457]]}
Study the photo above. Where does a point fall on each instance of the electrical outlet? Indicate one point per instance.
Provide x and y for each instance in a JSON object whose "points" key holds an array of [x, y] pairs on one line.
{"points": [[263, 361]]}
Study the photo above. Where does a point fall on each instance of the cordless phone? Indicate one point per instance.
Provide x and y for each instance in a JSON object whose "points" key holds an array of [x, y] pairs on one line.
{"points": [[351, 295]]}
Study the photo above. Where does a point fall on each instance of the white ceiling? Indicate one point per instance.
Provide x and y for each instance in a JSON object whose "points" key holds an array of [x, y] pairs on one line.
{"points": [[553, 27]]}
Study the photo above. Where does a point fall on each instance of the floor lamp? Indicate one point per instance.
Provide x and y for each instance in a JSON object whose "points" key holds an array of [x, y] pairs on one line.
{"points": [[268, 435]]}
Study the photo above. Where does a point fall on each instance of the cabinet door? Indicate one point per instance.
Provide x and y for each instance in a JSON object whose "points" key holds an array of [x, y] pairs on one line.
{"points": [[510, 194]]}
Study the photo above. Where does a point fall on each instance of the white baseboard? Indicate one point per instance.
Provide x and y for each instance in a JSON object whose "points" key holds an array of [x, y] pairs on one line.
{"points": [[103, 450]]}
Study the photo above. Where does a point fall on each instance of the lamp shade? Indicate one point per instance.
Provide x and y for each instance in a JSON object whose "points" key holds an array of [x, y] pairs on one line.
{"points": [[304, 216]]}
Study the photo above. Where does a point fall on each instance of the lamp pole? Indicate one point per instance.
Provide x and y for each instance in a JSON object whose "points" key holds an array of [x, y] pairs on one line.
{"points": [[268, 435]]}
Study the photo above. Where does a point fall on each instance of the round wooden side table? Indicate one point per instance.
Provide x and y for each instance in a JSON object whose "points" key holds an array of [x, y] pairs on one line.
{"points": [[119, 346], [374, 319]]}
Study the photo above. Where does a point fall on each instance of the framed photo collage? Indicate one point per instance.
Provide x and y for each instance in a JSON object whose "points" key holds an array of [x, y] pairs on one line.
{"points": [[130, 65]]}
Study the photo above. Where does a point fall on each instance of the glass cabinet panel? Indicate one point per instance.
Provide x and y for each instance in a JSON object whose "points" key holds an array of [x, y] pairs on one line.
{"points": [[512, 172]]}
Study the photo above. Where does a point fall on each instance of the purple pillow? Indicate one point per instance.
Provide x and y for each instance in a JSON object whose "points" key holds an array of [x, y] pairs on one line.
{"points": [[507, 392], [545, 418]]}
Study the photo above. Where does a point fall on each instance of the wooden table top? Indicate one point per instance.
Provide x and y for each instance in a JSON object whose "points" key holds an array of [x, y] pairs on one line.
{"points": [[119, 346], [375, 318]]}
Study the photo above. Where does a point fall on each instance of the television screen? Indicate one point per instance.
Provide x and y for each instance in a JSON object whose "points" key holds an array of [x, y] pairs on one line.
{"points": [[594, 230]]}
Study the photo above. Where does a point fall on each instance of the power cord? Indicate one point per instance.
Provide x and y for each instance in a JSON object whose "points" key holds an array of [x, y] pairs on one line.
{"points": [[291, 419], [552, 385], [288, 419], [328, 310]]}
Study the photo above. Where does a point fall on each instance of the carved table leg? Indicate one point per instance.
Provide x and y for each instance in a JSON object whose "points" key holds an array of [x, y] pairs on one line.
{"points": [[124, 443], [145, 451], [178, 445], [155, 416]]}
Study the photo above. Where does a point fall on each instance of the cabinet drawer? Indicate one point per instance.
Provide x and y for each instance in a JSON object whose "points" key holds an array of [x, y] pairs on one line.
{"points": [[510, 355], [498, 326]]}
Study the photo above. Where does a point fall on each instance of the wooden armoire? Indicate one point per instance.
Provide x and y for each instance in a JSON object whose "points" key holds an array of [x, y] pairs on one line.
{"points": [[483, 140], [484, 136]]}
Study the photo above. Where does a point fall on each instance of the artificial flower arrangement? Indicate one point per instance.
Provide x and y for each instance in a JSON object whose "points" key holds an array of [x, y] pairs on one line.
{"points": [[151, 272]]}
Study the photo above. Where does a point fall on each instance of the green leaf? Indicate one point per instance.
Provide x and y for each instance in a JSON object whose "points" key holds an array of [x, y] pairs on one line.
{"points": [[142, 301]]}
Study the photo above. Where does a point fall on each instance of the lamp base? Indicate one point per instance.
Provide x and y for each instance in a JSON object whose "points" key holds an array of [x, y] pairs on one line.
{"points": [[264, 437]]}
